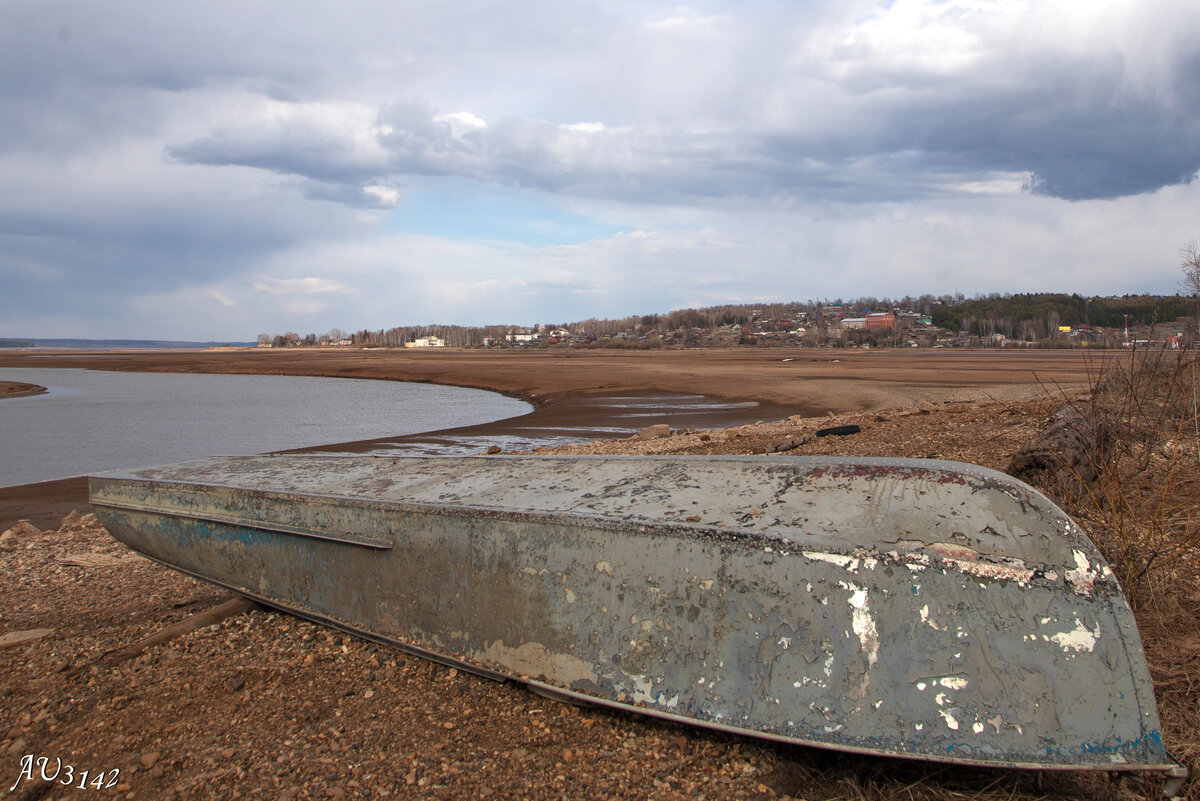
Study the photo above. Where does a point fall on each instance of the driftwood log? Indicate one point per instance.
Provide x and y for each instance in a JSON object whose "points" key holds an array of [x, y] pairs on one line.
{"points": [[216, 614], [1068, 454]]}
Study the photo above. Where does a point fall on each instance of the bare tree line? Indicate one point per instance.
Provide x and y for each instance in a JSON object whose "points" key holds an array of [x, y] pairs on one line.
{"points": [[1027, 317]]}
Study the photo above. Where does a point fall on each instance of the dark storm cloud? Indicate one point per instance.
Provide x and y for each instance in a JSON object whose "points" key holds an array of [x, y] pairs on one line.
{"points": [[1076, 143], [146, 146], [780, 100]]}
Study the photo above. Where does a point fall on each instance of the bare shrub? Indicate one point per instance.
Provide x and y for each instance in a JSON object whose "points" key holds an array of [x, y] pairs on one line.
{"points": [[1142, 507]]}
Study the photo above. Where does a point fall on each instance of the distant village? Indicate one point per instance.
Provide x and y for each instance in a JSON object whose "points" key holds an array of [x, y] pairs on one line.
{"points": [[998, 321]]}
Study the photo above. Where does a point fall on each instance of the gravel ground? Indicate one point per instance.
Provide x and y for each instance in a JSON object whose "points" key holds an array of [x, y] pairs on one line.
{"points": [[264, 705]]}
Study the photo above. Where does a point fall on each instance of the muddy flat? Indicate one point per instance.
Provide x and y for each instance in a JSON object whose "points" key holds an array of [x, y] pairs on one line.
{"points": [[797, 380]]}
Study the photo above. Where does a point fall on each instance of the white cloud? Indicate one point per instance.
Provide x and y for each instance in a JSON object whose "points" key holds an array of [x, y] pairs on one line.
{"points": [[221, 297], [584, 127], [298, 286], [385, 196], [319, 139], [461, 122], [685, 21]]}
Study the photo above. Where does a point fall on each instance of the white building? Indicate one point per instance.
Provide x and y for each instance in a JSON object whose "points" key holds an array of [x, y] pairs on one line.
{"points": [[426, 342]]}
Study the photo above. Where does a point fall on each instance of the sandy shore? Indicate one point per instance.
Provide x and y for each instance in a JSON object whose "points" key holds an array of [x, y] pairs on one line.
{"points": [[573, 390], [796, 381], [15, 389]]}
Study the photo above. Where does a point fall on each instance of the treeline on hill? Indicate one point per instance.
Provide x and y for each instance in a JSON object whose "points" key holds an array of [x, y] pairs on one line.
{"points": [[706, 318], [1029, 317], [1035, 316]]}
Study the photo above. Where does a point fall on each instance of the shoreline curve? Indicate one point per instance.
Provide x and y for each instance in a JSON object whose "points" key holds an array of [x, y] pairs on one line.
{"points": [[574, 390]]}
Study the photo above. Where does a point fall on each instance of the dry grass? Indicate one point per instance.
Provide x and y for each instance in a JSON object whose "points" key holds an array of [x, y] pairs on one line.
{"points": [[1142, 508], [1143, 512]]}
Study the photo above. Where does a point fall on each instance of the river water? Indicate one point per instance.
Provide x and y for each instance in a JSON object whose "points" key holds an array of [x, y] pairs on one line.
{"points": [[92, 420]]}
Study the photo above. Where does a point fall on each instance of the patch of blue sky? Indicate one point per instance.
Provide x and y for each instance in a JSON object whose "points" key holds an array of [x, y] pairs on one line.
{"points": [[461, 209]]}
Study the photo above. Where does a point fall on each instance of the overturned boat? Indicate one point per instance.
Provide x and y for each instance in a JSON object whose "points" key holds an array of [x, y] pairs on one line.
{"points": [[910, 608]]}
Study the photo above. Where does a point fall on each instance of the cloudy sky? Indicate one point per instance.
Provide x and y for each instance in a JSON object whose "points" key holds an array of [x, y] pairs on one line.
{"points": [[214, 170]]}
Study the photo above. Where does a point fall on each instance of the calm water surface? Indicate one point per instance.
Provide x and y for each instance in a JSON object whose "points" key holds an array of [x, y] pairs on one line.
{"points": [[94, 420]]}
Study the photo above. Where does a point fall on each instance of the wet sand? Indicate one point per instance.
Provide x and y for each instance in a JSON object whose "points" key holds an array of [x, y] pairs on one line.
{"points": [[16, 389], [588, 393]]}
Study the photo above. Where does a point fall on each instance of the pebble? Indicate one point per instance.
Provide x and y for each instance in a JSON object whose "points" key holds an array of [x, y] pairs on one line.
{"points": [[22, 530], [654, 432], [149, 758], [14, 638]]}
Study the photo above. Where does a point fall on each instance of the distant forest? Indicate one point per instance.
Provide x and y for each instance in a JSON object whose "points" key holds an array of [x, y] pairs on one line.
{"points": [[996, 312]]}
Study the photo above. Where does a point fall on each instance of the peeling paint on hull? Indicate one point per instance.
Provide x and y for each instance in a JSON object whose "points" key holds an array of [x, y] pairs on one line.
{"points": [[903, 607]]}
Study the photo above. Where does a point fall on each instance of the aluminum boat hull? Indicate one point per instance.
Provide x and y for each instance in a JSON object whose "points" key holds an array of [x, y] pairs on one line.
{"points": [[909, 608]]}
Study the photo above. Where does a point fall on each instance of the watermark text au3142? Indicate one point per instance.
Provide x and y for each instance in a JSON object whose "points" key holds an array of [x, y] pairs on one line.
{"points": [[53, 769]]}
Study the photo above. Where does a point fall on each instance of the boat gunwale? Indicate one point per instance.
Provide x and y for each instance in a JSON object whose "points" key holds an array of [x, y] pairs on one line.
{"points": [[774, 536], [696, 532]]}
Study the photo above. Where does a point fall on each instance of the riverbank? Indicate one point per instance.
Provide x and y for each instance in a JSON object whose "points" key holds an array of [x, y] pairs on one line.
{"points": [[582, 393], [793, 380]]}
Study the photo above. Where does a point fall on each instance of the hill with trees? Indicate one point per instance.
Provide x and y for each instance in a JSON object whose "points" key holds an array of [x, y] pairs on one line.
{"points": [[1026, 318]]}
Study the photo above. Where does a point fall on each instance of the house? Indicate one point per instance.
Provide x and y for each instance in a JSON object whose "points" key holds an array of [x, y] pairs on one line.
{"points": [[835, 312], [426, 342], [879, 320]]}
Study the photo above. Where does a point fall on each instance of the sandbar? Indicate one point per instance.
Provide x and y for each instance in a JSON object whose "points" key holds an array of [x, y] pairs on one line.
{"points": [[17, 389]]}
